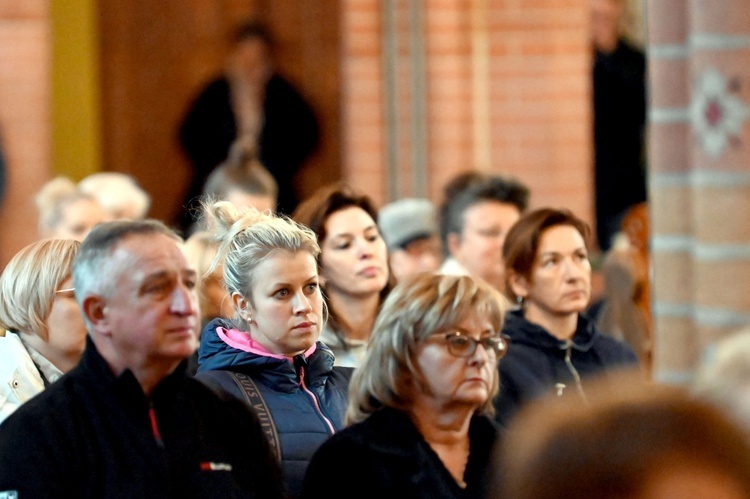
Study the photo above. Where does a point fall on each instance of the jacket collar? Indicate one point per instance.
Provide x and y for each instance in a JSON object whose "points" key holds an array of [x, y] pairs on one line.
{"points": [[523, 332]]}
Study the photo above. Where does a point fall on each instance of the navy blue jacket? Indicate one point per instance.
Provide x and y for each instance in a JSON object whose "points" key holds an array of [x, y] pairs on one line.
{"points": [[535, 363], [305, 414]]}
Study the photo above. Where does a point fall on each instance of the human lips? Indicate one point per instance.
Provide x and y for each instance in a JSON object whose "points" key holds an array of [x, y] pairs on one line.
{"points": [[371, 271], [305, 326]]}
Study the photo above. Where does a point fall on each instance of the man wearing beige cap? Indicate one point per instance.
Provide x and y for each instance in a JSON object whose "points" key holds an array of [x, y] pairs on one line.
{"points": [[409, 227]]}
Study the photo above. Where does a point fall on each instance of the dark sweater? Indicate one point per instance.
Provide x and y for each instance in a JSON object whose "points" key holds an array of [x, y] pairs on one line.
{"points": [[385, 457]]}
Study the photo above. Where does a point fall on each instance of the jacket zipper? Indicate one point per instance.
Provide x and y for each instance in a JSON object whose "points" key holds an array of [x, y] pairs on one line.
{"points": [[573, 370], [314, 398]]}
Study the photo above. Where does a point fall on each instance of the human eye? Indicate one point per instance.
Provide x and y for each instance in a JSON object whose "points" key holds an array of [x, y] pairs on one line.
{"points": [[459, 343], [281, 293], [372, 236], [191, 282], [312, 287], [582, 255], [493, 344], [342, 245], [156, 288], [549, 261]]}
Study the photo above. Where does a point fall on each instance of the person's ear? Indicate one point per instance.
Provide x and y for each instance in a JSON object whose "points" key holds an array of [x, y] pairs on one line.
{"points": [[94, 309], [243, 307], [454, 243], [518, 284]]}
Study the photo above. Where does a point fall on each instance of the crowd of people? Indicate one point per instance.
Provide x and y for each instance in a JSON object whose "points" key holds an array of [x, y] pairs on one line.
{"points": [[273, 348]]}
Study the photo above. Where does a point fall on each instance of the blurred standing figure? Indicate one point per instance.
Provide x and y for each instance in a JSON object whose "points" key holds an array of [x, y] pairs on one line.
{"points": [[476, 214], [420, 400], [253, 104], [44, 329], [127, 421], [67, 212], [619, 120], [554, 346], [353, 266], [411, 232]]}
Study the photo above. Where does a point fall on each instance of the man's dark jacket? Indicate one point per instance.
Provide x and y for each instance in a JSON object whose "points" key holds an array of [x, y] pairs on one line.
{"points": [[94, 434]]}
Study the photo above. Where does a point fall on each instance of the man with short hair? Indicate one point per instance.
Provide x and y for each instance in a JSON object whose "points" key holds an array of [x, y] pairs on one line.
{"points": [[127, 422], [477, 212]]}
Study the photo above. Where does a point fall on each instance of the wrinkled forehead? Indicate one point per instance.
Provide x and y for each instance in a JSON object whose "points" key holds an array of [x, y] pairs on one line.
{"points": [[143, 254]]}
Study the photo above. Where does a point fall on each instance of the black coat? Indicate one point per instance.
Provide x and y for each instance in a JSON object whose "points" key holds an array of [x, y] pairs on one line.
{"points": [[288, 136], [91, 434], [535, 362], [385, 457]]}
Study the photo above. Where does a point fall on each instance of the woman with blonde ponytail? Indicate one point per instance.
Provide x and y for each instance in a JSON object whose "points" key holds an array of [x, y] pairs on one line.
{"points": [[268, 354]]}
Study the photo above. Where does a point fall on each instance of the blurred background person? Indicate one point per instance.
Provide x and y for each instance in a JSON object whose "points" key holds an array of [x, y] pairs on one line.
{"points": [[44, 330], [554, 346], [619, 75], [119, 194], [631, 441], [252, 103], [201, 250], [723, 377], [420, 400], [353, 266], [67, 212], [410, 229], [476, 214], [243, 181], [268, 355]]}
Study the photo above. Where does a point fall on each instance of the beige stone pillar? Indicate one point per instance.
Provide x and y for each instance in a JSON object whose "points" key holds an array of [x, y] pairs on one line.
{"points": [[699, 160]]}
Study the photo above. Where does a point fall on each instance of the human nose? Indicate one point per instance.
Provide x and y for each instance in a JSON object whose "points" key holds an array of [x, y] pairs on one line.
{"points": [[302, 305], [480, 355], [182, 301], [365, 248]]}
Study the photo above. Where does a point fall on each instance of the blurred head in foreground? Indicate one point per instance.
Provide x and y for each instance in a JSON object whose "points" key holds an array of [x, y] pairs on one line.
{"points": [[630, 442]]}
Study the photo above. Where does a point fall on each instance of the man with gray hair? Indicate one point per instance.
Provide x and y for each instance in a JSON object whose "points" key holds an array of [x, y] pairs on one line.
{"points": [[128, 422]]}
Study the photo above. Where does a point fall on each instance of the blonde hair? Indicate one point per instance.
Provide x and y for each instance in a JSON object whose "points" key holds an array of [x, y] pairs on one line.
{"points": [[201, 250], [247, 236], [52, 199], [29, 282], [416, 308], [117, 192]]}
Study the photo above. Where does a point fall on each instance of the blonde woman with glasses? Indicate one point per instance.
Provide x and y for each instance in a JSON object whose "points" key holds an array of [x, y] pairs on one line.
{"points": [[418, 404], [44, 329]]}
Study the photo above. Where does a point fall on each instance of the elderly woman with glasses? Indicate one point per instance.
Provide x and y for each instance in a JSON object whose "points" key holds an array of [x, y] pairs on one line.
{"points": [[419, 403], [44, 332]]}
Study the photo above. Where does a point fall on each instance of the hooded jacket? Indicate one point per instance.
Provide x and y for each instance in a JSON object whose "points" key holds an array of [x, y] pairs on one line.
{"points": [[537, 362], [305, 395]]}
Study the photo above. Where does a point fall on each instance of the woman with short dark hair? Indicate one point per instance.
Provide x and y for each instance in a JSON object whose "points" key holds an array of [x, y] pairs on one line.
{"points": [[548, 273]]}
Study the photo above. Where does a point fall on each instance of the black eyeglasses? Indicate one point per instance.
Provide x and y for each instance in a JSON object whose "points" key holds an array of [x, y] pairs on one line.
{"points": [[462, 345]]}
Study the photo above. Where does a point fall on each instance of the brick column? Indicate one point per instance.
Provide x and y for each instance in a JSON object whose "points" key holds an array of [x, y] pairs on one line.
{"points": [[700, 176]]}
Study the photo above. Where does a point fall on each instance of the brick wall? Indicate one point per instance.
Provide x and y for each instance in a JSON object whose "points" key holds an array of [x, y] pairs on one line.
{"points": [[507, 90]]}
